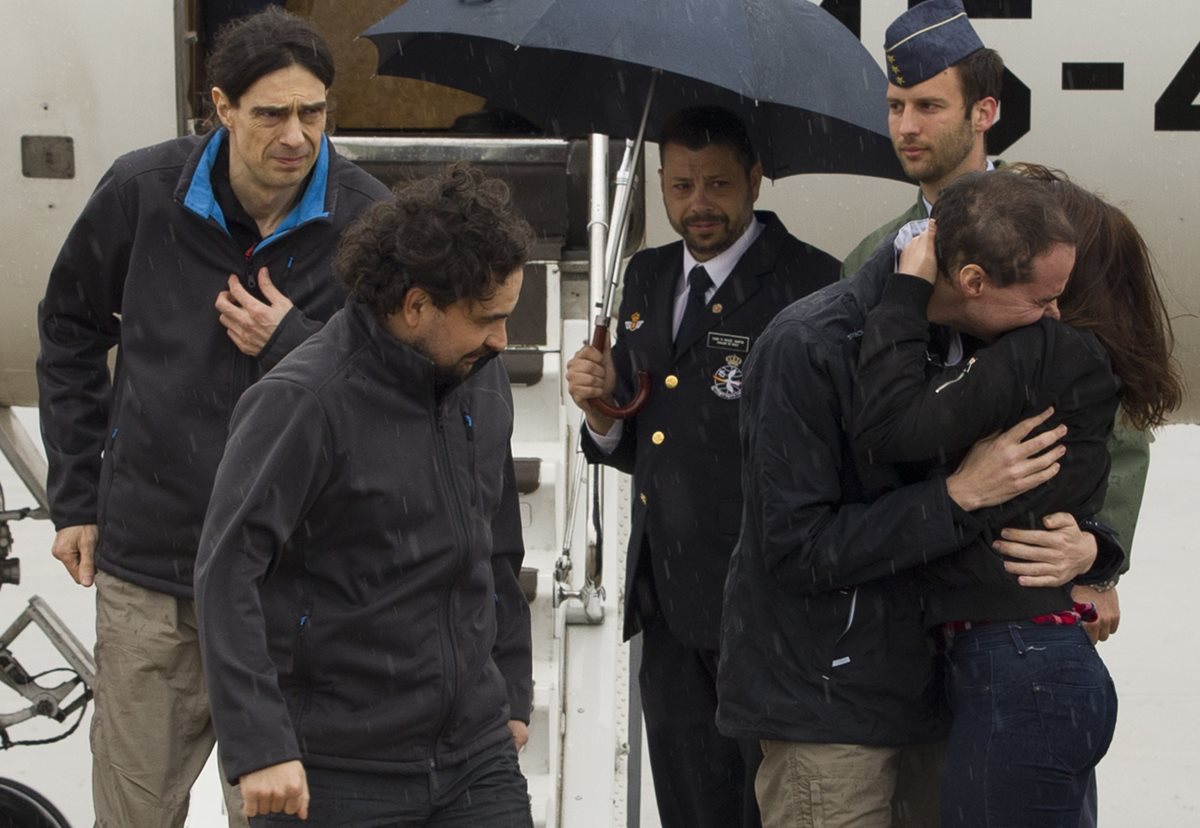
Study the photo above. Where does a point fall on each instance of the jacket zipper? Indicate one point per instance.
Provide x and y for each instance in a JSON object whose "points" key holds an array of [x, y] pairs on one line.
{"points": [[460, 543], [966, 370], [301, 665], [248, 273], [469, 423], [841, 661], [244, 376]]}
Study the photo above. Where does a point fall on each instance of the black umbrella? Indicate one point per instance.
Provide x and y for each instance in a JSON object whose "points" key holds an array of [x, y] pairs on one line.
{"points": [[810, 94]]}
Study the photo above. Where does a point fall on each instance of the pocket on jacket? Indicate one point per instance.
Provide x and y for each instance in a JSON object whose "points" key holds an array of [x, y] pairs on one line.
{"points": [[299, 643], [108, 471], [877, 637]]}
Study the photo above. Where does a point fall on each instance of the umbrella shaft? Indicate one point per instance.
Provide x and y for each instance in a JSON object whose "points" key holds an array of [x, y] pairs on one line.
{"points": [[619, 226], [597, 219]]}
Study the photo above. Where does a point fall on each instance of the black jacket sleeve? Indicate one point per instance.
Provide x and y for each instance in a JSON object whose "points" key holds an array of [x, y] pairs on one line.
{"points": [[513, 651], [275, 464], [623, 457], [906, 413], [78, 324], [292, 330], [818, 530]]}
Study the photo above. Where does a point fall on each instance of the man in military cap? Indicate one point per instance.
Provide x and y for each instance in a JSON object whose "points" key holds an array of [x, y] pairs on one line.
{"points": [[943, 97]]}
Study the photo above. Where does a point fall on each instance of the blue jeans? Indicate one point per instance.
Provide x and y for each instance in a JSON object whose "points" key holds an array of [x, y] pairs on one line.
{"points": [[488, 789], [1034, 712]]}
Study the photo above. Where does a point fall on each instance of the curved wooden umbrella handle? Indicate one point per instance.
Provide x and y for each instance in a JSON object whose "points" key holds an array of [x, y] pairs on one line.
{"points": [[600, 343]]}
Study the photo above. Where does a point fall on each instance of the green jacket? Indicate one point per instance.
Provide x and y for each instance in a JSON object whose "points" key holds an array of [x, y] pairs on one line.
{"points": [[1129, 447], [1130, 451], [859, 255]]}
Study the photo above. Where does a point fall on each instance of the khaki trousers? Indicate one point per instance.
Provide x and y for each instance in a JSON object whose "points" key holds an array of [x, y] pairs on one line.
{"points": [[151, 730], [814, 785]]}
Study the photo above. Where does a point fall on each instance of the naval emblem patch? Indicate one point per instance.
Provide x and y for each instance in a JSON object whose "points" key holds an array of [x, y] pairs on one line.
{"points": [[727, 380], [634, 322]]}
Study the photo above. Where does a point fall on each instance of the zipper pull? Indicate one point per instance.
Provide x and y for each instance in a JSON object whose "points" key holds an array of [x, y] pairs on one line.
{"points": [[470, 424], [948, 383], [251, 281]]}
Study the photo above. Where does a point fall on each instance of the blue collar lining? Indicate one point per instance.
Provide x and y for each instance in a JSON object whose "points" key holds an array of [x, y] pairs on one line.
{"points": [[201, 200]]}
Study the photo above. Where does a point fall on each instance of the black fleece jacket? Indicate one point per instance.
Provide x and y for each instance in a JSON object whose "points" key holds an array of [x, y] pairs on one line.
{"points": [[141, 269], [822, 635], [356, 585], [909, 409]]}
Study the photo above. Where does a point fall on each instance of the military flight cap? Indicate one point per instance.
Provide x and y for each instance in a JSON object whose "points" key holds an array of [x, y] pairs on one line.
{"points": [[926, 39]]}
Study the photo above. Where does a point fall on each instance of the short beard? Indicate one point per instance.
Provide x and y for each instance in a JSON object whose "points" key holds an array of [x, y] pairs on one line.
{"points": [[717, 247], [443, 377]]}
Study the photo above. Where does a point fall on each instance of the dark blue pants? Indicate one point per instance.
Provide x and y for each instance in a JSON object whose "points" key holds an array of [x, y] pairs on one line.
{"points": [[487, 789], [1034, 712], [1089, 815], [701, 778]]}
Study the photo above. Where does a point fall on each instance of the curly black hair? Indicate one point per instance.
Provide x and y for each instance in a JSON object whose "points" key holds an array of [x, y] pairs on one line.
{"points": [[453, 234]]}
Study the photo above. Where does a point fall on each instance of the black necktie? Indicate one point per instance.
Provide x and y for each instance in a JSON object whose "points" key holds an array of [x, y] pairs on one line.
{"points": [[693, 312]]}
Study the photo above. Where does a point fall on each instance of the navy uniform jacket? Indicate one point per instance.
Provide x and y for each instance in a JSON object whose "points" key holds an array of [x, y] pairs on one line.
{"points": [[682, 447]]}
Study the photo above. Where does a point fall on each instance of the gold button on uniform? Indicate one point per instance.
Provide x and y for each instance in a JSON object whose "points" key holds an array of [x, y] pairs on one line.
{"points": [[671, 381], [643, 496], [657, 438]]}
